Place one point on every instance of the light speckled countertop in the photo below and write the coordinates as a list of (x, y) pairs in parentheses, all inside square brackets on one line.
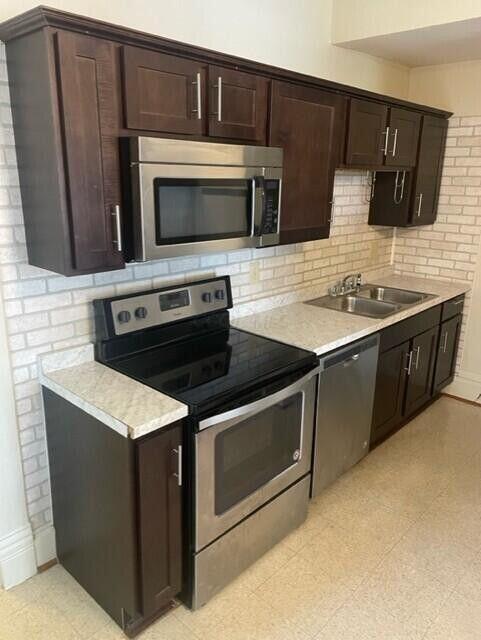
[(133, 409), (127, 406), (322, 330)]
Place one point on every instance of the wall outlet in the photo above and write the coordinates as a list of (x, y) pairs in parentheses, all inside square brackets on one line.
[(374, 252), (254, 272)]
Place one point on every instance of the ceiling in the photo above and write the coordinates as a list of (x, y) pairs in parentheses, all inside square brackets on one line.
[(438, 44)]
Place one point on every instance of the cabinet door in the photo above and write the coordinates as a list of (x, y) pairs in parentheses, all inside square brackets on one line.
[(309, 125), (420, 379), (390, 389), (89, 111), (160, 518), (163, 93), (403, 140), (428, 170), (237, 105), (391, 201), (447, 352), (366, 133)]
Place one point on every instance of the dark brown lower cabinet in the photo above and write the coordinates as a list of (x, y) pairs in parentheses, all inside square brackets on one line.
[(417, 358), (117, 509), (420, 376), (390, 390), (447, 351)]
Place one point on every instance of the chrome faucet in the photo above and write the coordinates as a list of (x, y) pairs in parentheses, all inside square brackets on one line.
[(352, 282)]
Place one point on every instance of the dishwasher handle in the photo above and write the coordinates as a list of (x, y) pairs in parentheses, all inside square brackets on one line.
[(350, 354)]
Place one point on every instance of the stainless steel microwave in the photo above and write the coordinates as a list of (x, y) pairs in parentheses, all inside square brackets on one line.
[(192, 197)]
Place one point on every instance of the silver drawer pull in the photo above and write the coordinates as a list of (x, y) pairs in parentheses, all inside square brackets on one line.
[(198, 84), (418, 351), (410, 361), (445, 343), (386, 141), (118, 231), (218, 86), (420, 203), (178, 475), (394, 145), (458, 302)]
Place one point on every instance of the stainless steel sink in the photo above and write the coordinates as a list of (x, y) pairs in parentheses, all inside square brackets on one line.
[(357, 305), (372, 301), (390, 294)]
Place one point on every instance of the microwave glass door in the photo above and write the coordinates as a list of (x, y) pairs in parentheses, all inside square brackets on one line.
[(251, 453), (194, 210)]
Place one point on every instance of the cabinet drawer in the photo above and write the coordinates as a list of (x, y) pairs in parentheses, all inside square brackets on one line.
[(452, 307), (406, 329)]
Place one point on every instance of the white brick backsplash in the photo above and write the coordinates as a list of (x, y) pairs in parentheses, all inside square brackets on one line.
[(449, 248)]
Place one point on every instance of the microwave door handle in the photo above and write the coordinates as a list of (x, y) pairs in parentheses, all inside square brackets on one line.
[(258, 204)]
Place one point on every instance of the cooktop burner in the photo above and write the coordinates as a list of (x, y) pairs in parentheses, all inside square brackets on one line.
[(198, 359)]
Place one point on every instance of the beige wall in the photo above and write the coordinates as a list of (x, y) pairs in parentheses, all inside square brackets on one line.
[(455, 86), (355, 19), (294, 35)]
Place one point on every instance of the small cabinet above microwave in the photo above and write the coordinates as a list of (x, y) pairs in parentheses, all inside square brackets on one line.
[(170, 94), (190, 197)]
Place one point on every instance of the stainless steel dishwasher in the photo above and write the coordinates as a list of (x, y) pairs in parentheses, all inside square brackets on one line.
[(344, 410)]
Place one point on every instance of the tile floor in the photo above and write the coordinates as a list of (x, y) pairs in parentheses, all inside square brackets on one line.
[(392, 551)]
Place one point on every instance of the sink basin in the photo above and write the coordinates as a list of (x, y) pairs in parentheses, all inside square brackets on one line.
[(357, 305), (389, 294)]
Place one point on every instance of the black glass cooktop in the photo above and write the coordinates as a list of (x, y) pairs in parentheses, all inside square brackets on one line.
[(212, 367)]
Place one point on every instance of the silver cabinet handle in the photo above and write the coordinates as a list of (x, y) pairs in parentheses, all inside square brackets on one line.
[(418, 351), (178, 475), (198, 84), (118, 231), (410, 361), (445, 343), (331, 204), (394, 144), (458, 302), (419, 204), (386, 141), (397, 199), (219, 98)]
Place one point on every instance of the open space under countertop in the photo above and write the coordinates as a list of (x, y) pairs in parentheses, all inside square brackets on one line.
[(322, 330)]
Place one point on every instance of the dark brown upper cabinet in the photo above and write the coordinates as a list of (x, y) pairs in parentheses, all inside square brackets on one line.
[(163, 93), (77, 85), (169, 94), (65, 113), (402, 138), (366, 133), (89, 123), (237, 105), (380, 136), (309, 125), (427, 176), (407, 198)]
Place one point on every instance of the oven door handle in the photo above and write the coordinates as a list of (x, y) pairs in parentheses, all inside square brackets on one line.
[(259, 405)]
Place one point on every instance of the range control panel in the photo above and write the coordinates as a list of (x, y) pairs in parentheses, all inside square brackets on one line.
[(162, 306)]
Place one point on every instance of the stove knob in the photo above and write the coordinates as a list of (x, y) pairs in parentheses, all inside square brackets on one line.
[(207, 297), (219, 294), (123, 316), (141, 313)]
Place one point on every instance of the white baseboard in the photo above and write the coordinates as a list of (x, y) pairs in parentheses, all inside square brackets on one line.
[(45, 548), (465, 385), (17, 557)]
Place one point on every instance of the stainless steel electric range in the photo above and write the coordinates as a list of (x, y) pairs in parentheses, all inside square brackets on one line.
[(248, 437)]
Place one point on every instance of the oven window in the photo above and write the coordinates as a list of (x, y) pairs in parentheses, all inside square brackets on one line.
[(190, 210), (256, 450)]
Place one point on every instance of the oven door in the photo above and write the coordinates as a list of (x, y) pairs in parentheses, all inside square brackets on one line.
[(189, 209), (247, 456)]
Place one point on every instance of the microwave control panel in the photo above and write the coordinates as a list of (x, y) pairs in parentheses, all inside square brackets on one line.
[(270, 220)]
